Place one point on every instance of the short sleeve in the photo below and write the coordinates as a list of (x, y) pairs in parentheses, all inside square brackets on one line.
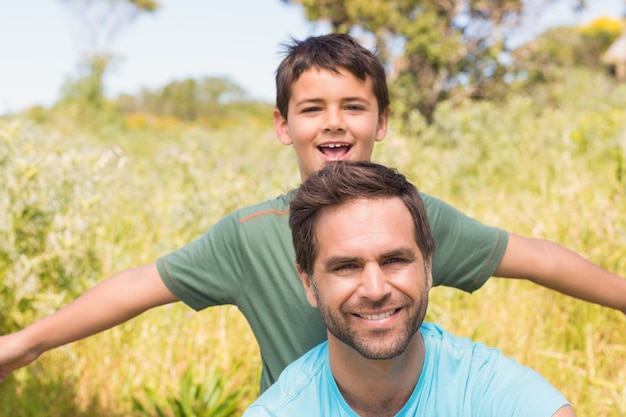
[(207, 271), (467, 251)]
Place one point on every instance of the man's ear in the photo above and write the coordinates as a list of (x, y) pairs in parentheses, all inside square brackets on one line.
[(306, 283), (429, 271), (281, 127)]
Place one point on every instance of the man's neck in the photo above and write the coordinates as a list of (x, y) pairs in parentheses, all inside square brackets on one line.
[(376, 387)]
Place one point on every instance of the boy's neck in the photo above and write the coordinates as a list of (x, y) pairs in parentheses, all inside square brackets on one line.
[(376, 387)]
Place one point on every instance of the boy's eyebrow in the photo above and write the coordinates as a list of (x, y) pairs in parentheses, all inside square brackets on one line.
[(309, 100), (316, 100)]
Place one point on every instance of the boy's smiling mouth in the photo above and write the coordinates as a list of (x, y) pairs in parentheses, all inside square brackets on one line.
[(335, 151)]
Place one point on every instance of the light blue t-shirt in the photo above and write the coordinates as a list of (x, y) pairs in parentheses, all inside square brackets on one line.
[(460, 378)]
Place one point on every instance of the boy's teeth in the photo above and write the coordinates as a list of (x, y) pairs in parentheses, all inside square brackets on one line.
[(335, 151)]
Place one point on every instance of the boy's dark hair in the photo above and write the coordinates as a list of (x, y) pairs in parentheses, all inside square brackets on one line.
[(341, 182), (330, 52)]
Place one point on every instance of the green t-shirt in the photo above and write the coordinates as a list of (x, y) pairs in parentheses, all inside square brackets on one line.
[(247, 259)]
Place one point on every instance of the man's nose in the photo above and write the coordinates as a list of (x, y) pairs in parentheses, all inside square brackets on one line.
[(373, 285)]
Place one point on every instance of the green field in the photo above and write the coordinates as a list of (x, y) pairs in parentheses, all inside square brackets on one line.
[(79, 204)]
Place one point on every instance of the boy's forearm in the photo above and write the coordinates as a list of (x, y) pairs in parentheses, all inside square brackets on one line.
[(111, 302), (582, 279), (556, 267)]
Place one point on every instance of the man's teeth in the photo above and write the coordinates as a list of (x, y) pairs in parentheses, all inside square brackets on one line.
[(377, 316)]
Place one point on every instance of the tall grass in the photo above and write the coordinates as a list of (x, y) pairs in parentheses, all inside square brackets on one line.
[(548, 164)]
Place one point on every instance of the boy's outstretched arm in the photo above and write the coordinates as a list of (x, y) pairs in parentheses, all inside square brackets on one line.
[(113, 301), (556, 267)]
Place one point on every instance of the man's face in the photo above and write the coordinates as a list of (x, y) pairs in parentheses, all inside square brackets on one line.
[(370, 280), (331, 117)]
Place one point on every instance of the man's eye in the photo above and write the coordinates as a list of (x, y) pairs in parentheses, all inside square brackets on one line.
[(345, 268), (354, 108), (310, 109)]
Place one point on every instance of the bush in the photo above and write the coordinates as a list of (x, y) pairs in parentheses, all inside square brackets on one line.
[(49, 250), (194, 399)]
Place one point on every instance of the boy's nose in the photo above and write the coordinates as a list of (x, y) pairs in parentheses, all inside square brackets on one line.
[(334, 120)]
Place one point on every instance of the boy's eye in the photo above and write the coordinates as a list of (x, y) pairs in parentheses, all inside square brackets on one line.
[(310, 109), (354, 107)]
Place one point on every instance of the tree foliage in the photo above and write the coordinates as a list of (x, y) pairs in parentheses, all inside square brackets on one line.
[(211, 100), (434, 49), (84, 94), (101, 21), (542, 59)]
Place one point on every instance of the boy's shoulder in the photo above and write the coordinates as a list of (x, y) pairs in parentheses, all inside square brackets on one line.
[(275, 207)]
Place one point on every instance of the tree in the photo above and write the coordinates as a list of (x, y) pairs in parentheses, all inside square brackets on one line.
[(211, 101), (543, 58), (188, 100), (101, 21), (434, 49), (86, 92)]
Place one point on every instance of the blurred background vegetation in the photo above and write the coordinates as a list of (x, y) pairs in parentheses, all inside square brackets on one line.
[(529, 136)]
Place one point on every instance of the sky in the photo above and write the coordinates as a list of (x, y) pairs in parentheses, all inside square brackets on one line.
[(41, 43)]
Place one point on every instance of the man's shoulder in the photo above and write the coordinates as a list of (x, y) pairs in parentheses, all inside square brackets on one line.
[(297, 388), (464, 377), (445, 341), (450, 357)]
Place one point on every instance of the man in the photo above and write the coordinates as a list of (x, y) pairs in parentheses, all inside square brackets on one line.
[(363, 251)]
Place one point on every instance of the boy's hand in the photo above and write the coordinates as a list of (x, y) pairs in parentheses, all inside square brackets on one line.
[(14, 354), (130, 292)]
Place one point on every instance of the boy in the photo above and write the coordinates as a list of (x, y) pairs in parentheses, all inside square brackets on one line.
[(368, 273), (332, 104)]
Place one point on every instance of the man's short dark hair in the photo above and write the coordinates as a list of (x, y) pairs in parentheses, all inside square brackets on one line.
[(341, 182)]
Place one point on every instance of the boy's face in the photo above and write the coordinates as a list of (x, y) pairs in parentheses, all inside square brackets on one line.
[(371, 281), (331, 117)]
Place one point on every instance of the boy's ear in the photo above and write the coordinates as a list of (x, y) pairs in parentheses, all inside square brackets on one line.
[(383, 122), (282, 128), (306, 282)]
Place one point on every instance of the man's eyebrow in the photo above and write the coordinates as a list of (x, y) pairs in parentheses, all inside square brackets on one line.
[(334, 261), (402, 252)]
